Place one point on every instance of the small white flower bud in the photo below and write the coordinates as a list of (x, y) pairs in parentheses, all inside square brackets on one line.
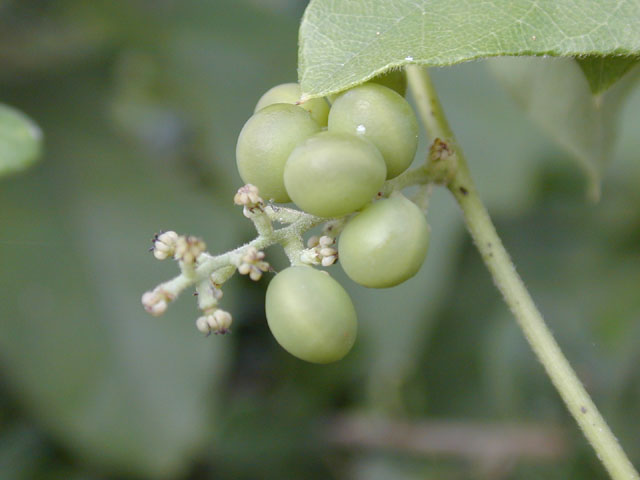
[(328, 261), (255, 274), (263, 266), (188, 248), (154, 303), (310, 257), (320, 251), (203, 325), (164, 244), (326, 241), (219, 321), (252, 264), (248, 196), (160, 255), (313, 241), (327, 252)]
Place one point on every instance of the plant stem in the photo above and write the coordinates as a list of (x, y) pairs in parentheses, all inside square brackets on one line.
[(513, 290)]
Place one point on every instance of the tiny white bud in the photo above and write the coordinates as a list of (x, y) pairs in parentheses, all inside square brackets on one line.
[(219, 321), (251, 254), (149, 298), (328, 261), (203, 326), (159, 308), (248, 196), (264, 266), (326, 241), (164, 244), (327, 252), (313, 241), (160, 254), (252, 264), (310, 257), (168, 238), (255, 274), (154, 303), (189, 248)]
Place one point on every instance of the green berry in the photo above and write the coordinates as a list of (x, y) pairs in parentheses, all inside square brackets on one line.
[(385, 244), (383, 117), (264, 144), (291, 93), (332, 174), (310, 315)]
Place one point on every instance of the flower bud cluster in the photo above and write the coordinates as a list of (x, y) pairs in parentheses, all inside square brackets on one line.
[(188, 248), (321, 251), (164, 244), (181, 247), (217, 321), (252, 263), (248, 197), (156, 301)]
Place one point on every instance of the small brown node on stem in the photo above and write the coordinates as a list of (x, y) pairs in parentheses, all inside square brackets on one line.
[(439, 150), (463, 191), (442, 162)]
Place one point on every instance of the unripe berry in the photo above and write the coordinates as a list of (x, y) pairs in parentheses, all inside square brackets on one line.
[(264, 144), (383, 117), (310, 315), (385, 244), (332, 174), (291, 93)]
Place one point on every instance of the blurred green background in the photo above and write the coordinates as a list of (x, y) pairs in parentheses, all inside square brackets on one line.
[(141, 103)]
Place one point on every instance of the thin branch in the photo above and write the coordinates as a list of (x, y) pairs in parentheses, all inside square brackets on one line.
[(515, 293), (483, 442)]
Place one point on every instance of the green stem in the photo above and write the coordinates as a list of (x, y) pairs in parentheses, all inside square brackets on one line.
[(513, 290)]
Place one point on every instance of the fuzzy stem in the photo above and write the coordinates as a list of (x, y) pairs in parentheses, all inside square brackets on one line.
[(513, 290)]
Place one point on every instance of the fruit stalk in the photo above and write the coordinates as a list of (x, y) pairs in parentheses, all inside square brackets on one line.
[(513, 290)]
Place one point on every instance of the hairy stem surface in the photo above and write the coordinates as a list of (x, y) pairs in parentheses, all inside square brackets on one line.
[(513, 290)]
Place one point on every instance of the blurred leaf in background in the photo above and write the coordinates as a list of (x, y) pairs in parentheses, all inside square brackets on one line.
[(20, 141), (559, 97), (141, 104), (115, 387)]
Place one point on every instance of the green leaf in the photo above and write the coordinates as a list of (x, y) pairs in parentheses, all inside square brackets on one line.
[(557, 97), (602, 72), (20, 140), (345, 43)]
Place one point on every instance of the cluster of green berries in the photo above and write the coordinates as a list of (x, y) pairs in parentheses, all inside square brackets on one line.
[(331, 158)]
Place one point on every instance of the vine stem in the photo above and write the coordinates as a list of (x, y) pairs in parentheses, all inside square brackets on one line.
[(513, 290)]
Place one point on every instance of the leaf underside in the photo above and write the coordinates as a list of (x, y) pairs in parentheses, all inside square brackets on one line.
[(602, 72), (343, 44), (556, 96)]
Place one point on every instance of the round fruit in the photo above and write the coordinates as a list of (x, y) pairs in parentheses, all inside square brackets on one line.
[(394, 79), (382, 116), (332, 174), (385, 244), (311, 315), (291, 93), (264, 144)]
